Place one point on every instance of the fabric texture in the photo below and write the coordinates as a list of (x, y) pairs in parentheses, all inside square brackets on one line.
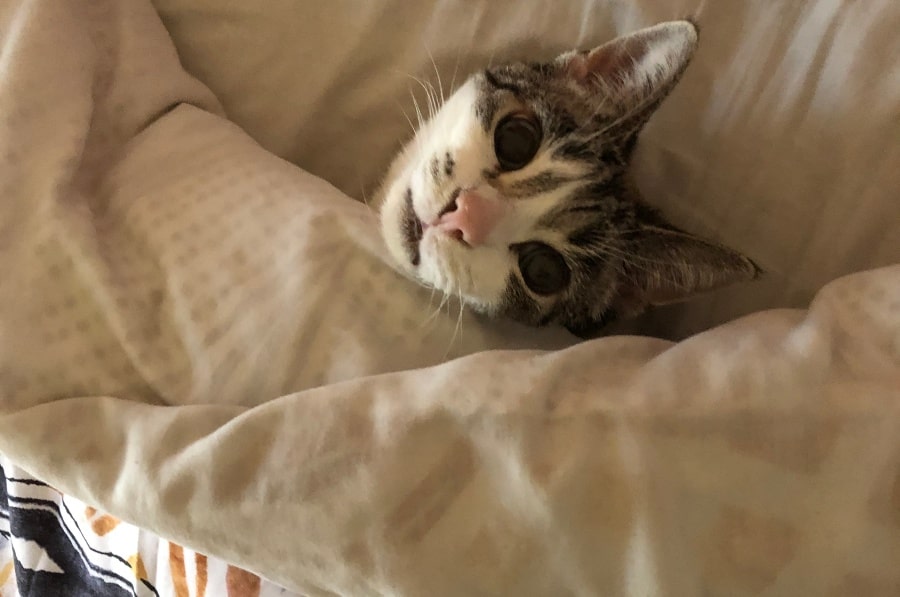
[(203, 340)]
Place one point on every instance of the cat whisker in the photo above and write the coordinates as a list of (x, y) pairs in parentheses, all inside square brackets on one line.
[(604, 95), (445, 302), (607, 91), (641, 105), (436, 96), (430, 303), (432, 99), (604, 101), (439, 309), (429, 93), (634, 261), (419, 116), (472, 283), (621, 255), (408, 119), (365, 198), (430, 317), (620, 259), (455, 69), (437, 74), (416, 139), (459, 321), (458, 328)]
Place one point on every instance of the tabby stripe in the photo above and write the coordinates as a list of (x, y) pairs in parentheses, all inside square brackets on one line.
[(575, 150), (542, 182), (449, 164), (514, 89), (435, 168)]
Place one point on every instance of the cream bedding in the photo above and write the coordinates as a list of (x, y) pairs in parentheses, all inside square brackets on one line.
[(204, 340)]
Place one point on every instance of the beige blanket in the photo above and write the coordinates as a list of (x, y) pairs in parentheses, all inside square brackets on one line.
[(204, 340)]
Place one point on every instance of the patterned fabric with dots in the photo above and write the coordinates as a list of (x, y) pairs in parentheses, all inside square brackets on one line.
[(205, 341), (160, 249)]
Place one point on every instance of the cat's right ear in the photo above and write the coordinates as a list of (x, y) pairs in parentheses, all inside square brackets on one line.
[(635, 71)]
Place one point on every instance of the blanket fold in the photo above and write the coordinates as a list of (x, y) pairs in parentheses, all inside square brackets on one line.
[(202, 340)]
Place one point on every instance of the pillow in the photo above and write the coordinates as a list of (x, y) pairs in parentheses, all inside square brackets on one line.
[(781, 139)]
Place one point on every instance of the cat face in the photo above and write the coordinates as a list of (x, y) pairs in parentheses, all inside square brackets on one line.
[(514, 195)]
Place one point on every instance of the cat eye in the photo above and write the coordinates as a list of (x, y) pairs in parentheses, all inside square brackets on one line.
[(543, 269), (516, 141)]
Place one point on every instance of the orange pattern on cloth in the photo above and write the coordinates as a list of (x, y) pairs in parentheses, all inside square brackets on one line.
[(137, 564), (176, 566), (5, 573), (102, 524), (200, 561), (241, 583)]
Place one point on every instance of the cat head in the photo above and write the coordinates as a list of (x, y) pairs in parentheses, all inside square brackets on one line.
[(514, 195)]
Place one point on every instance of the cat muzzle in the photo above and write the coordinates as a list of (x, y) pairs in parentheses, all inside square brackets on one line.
[(471, 218)]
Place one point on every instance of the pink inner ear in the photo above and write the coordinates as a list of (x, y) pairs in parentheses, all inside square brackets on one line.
[(621, 57), (577, 67), (633, 67), (610, 60)]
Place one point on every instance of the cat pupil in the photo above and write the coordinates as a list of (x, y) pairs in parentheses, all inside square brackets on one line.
[(543, 269), (516, 141)]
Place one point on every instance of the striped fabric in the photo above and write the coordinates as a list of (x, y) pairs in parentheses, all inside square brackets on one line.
[(52, 545)]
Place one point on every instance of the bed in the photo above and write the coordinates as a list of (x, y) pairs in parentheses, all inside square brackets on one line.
[(213, 382)]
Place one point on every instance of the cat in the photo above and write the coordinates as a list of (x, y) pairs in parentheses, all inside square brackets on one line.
[(515, 195)]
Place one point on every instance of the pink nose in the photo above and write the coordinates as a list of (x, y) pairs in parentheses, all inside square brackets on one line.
[(472, 217)]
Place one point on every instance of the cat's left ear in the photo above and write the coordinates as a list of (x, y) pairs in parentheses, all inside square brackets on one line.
[(635, 71), (668, 265)]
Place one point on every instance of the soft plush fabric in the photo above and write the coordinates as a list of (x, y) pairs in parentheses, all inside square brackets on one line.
[(781, 140), (201, 339)]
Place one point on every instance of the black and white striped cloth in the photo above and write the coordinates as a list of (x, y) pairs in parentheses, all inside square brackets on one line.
[(50, 548)]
